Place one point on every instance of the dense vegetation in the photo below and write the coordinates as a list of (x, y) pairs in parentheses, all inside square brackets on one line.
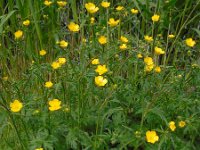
[(99, 75)]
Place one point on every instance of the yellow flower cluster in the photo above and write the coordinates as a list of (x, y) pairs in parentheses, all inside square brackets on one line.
[(58, 63), (149, 64)]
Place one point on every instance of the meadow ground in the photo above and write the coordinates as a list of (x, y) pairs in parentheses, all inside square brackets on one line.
[(95, 75)]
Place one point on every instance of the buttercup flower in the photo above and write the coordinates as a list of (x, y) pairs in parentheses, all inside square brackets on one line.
[(91, 8), (148, 60), (155, 18), (148, 38), (39, 149), (92, 20), (62, 60), (73, 27), (55, 65), (123, 47), (149, 64), (112, 22), (158, 51), (42, 52), (139, 56), (181, 124), (119, 8), (18, 34), (61, 3), (190, 42), (63, 44), (124, 39), (102, 40), (152, 137), (47, 3), (172, 125), (171, 36), (95, 61), (105, 4), (148, 68), (157, 69), (48, 84), (134, 11), (26, 22), (54, 105), (100, 81), (101, 69), (16, 106)]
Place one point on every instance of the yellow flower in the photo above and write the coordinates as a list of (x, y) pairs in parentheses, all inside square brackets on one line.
[(148, 38), (112, 22), (158, 51), (134, 11), (101, 69), (155, 18), (102, 40), (62, 60), (55, 65), (95, 61), (73, 27), (139, 56), (100, 81), (182, 124), (148, 68), (39, 149), (172, 125), (54, 105), (157, 69), (152, 137), (123, 47), (26, 22), (171, 36), (47, 3), (91, 8), (105, 4), (48, 84), (61, 3), (190, 42), (119, 8), (16, 106), (148, 60), (42, 52), (18, 34), (92, 20), (63, 44), (124, 39)]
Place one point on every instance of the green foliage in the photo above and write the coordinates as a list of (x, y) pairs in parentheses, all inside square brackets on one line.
[(132, 102)]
